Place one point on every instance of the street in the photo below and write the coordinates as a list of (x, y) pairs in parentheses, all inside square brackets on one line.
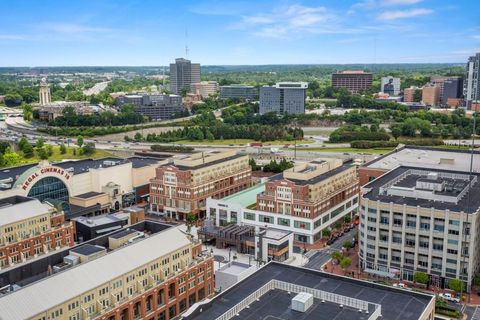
[(320, 257)]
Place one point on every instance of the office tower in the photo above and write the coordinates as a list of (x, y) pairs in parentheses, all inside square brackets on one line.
[(284, 97), (431, 95), (471, 90), (239, 91), (183, 73), (454, 87), (205, 88), (352, 80), (390, 85)]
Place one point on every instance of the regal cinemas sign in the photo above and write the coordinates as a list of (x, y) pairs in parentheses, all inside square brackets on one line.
[(47, 171)]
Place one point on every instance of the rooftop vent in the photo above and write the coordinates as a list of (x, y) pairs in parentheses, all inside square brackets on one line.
[(302, 302)]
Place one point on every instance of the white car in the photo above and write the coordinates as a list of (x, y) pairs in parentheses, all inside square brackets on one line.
[(400, 285), (449, 297)]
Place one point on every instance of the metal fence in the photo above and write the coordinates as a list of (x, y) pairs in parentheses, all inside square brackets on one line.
[(323, 296)]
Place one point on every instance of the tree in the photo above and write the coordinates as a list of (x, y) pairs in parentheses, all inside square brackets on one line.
[(455, 285), (23, 141), (347, 219), (40, 143), (326, 232), (27, 112), (42, 153), (190, 221), (420, 277), (89, 148), (253, 164), (347, 244), (345, 263), (337, 255), (138, 136), (27, 150), (80, 141), (63, 149), (49, 150), (11, 158), (396, 132)]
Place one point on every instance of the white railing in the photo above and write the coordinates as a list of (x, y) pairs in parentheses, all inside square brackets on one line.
[(323, 296)]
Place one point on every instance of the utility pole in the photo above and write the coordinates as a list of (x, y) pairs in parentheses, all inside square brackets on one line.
[(470, 178)]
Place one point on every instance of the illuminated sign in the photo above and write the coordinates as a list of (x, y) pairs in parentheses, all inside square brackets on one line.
[(45, 171)]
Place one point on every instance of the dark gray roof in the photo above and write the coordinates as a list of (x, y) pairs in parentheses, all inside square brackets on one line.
[(206, 164), (14, 200), (87, 249), (317, 179), (87, 195), (396, 303), (80, 166), (462, 205), (123, 233)]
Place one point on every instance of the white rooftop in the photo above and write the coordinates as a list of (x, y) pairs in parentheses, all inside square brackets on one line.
[(22, 211), (61, 287), (428, 158), (101, 220)]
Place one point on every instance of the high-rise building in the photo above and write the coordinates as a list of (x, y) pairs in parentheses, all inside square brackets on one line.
[(421, 218), (29, 228), (284, 97), (431, 95), (44, 93), (454, 86), (471, 89), (183, 73), (205, 88), (154, 106), (409, 94), (354, 81), (390, 85), (130, 275), (185, 185), (239, 91)]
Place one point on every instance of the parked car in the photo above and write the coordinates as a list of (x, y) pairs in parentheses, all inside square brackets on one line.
[(449, 297), (400, 285)]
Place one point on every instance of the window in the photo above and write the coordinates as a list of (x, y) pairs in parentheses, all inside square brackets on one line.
[(284, 222), (301, 225), (454, 242), (265, 219), (249, 215), (454, 222)]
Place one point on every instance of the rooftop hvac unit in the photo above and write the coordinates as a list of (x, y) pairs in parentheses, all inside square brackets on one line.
[(109, 163), (302, 302), (71, 260)]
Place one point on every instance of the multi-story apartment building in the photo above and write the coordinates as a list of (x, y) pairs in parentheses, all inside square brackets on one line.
[(157, 277), (431, 95), (421, 219), (354, 81), (409, 94), (454, 86), (183, 73), (185, 185), (284, 97), (471, 89), (305, 200), (239, 91), (29, 228), (154, 106), (204, 88)]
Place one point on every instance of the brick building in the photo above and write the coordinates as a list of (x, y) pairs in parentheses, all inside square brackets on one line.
[(29, 228), (185, 185), (155, 277), (354, 81)]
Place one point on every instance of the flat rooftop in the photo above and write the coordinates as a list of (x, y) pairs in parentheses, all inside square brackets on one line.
[(372, 191), (52, 291), (17, 208), (247, 196), (96, 221), (235, 268), (425, 157), (276, 303), (123, 233), (88, 249), (88, 195), (207, 163), (347, 165)]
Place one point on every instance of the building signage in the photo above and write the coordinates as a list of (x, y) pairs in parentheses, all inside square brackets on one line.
[(44, 171)]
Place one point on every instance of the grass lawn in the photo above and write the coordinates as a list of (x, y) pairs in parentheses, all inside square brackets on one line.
[(57, 156), (345, 150), (242, 142)]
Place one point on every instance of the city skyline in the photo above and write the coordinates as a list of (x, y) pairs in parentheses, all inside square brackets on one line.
[(130, 33)]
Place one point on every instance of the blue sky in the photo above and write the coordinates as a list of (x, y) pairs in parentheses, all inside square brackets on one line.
[(154, 32)]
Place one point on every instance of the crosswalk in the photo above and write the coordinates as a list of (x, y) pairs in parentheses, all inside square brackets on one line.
[(476, 314)]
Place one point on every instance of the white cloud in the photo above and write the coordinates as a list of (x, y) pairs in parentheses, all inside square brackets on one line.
[(374, 4), (403, 14), (12, 37), (476, 37), (293, 20)]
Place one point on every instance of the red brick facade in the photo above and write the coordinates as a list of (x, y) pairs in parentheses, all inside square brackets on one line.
[(185, 197), (61, 234), (170, 298), (366, 174)]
